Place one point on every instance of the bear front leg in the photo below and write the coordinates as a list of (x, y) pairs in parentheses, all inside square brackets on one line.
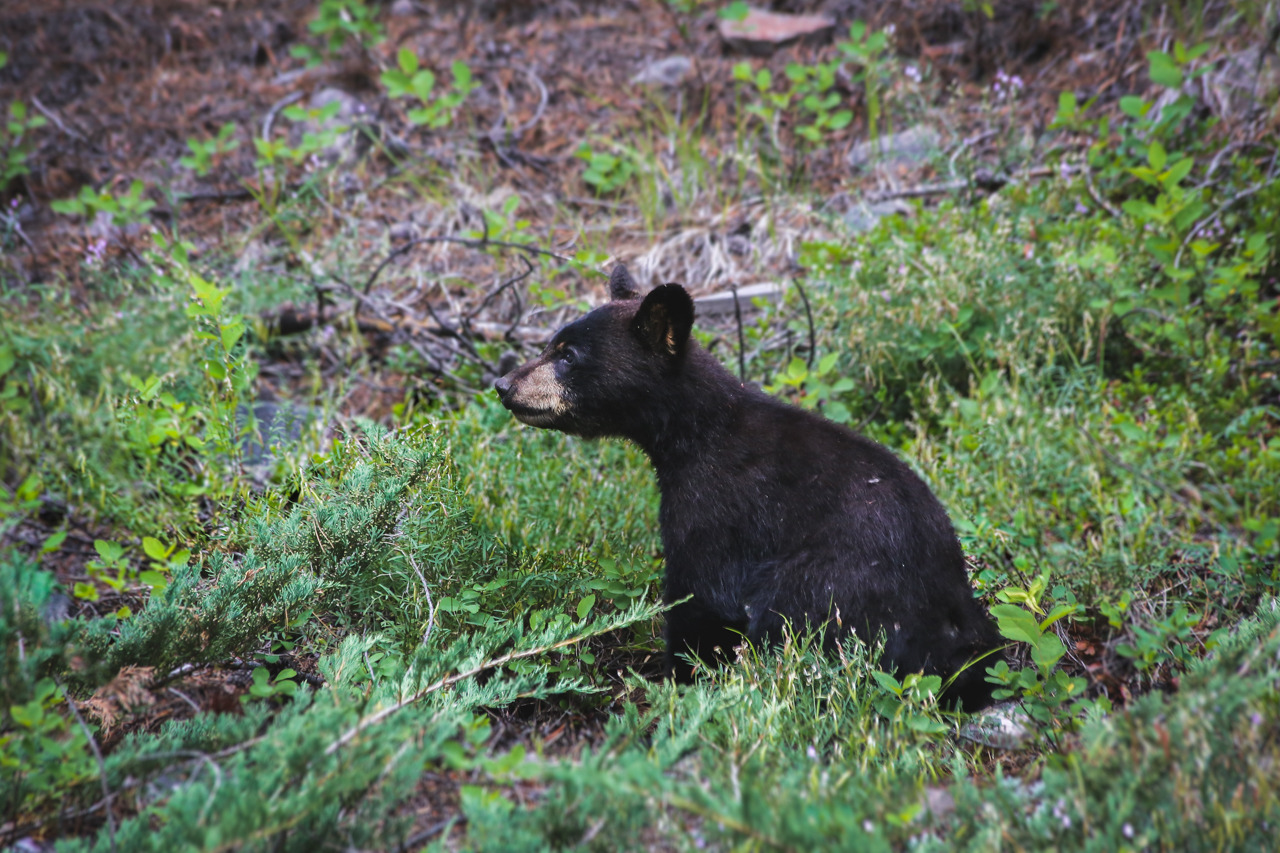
[(695, 631)]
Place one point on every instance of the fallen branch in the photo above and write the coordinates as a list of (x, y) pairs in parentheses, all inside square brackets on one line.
[(373, 719), (290, 319), (482, 243)]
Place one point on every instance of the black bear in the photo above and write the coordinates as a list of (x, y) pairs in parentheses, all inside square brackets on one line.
[(769, 514)]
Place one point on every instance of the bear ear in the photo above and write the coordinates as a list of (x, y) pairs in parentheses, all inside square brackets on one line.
[(621, 284), (665, 319)]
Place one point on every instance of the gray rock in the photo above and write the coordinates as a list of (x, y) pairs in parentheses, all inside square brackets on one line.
[(406, 230), (760, 33), (910, 147), (938, 801), (862, 216), (1246, 83), (1003, 726), (272, 424), (349, 126), (669, 72)]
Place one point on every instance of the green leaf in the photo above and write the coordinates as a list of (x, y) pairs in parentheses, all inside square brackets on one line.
[(735, 11), (407, 60), (1060, 611), (585, 605), (1178, 171), (1133, 106), (156, 580), (1068, 107), (54, 542), (28, 715), (1047, 651), (108, 551), (838, 412), (68, 206), (423, 83), (1164, 70), (1016, 624), (154, 548), (888, 682), (461, 75), (1131, 431), (231, 333), (1156, 155), (1139, 209)]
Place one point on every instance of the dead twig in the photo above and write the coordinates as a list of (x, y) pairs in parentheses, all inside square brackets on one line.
[(53, 117), (1097, 196), (102, 765), (375, 718), (270, 117), (808, 315), (1240, 196), (426, 588), (493, 294), (742, 340), (482, 243), (239, 194), (434, 364)]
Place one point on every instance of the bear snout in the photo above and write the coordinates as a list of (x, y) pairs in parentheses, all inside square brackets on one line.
[(503, 386)]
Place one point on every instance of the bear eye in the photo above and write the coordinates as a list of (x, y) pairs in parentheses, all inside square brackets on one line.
[(568, 356)]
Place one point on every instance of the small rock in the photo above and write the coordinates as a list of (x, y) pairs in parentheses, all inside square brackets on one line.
[(403, 9), (669, 72), (349, 124), (760, 33), (30, 845), (271, 425), (255, 255), (721, 302), (909, 147), (938, 801), (1247, 82), (862, 216), (1001, 727), (406, 230)]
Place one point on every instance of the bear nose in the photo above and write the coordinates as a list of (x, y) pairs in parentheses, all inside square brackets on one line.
[(503, 386)]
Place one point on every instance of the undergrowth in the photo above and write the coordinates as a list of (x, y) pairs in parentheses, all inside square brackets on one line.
[(1083, 366)]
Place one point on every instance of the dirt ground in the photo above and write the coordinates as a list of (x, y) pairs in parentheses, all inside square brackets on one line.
[(123, 87)]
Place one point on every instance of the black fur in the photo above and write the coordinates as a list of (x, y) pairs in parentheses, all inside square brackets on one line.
[(769, 513)]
